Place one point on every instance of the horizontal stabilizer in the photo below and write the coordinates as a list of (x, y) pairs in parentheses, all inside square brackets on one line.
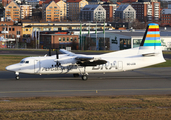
[(149, 54)]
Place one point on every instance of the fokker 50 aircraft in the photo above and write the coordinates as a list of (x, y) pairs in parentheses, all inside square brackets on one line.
[(149, 53)]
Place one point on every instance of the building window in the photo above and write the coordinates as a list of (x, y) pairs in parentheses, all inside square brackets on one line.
[(18, 32), (13, 29), (63, 38), (63, 46), (14, 7), (67, 38), (59, 39), (48, 12), (16, 12), (26, 29), (48, 15), (136, 42), (50, 7), (10, 7), (71, 38)]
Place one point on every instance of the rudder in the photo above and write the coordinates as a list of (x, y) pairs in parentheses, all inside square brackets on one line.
[(151, 42)]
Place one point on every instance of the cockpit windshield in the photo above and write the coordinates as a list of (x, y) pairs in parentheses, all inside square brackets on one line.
[(22, 61)]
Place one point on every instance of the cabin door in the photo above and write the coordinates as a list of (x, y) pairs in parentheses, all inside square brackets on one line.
[(36, 66), (120, 65)]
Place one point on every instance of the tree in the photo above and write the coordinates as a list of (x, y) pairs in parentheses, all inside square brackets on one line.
[(37, 6), (1, 6)]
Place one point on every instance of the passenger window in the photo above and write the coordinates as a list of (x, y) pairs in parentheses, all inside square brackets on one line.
[(27, 61)]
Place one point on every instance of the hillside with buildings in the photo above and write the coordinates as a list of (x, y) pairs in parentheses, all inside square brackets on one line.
[(24, 23)]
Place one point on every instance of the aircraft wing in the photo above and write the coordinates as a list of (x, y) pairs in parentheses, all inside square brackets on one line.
[(84, 60)]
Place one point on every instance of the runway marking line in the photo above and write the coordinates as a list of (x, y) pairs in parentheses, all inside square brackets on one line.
[(100, 90)]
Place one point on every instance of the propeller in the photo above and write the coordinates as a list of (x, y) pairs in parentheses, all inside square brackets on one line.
[(57, 57)]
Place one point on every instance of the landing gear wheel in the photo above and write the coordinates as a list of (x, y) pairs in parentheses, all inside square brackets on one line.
[(17, 77), (76, 75), (84, 77)]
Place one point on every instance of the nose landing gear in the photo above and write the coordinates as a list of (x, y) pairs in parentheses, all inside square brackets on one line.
[(17, 77)]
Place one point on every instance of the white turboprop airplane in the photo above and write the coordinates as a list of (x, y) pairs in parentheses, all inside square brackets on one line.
[(149, 53)]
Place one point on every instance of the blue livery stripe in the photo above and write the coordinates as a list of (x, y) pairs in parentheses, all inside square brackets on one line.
[(152, 38), (152, 44), (152, 24), (157, 32)]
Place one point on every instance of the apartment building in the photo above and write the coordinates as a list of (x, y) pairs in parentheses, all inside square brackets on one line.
[(26, 11), (166, 16), (12, 10), (93, 13), (11, 34), (125, 13), (62, 6), (74, 8), (165, 20), (63, 9), (51, 12), (147, 11), (33, 3), (110, 11)]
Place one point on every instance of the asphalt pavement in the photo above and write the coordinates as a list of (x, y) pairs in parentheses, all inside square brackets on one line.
[(146, 81)]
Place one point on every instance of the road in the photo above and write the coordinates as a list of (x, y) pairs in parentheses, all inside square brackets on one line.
[(146, 81)]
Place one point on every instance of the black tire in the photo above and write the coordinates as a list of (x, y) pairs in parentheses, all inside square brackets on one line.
[(84, 77), (17, 77), (76, 75)]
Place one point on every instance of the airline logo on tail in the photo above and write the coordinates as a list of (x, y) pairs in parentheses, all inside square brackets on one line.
[(151, 36)]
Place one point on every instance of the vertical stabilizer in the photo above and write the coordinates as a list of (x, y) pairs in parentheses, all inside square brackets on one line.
[(151, 42)]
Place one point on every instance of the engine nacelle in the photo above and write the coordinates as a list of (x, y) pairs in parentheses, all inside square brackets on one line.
[(66, 61)]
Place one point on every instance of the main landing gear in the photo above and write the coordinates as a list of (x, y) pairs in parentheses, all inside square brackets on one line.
[(17, 77), (84, 75)]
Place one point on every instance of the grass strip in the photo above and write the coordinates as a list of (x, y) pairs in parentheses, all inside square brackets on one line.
[(6, 60), (155, 107)]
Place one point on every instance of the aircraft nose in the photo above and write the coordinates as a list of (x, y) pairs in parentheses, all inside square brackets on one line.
[(8, 68)]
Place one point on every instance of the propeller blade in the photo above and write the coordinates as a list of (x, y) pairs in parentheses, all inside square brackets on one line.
[(49, 52), (57, 57), (57, 54)]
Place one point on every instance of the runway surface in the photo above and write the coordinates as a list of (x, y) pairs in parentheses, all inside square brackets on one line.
[(138, 82)]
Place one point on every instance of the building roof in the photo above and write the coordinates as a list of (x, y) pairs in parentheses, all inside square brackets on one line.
[(90, 7), (129, 1), (122, 7), (14, 3), (48, 1), (140, 33), (71, 1)]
